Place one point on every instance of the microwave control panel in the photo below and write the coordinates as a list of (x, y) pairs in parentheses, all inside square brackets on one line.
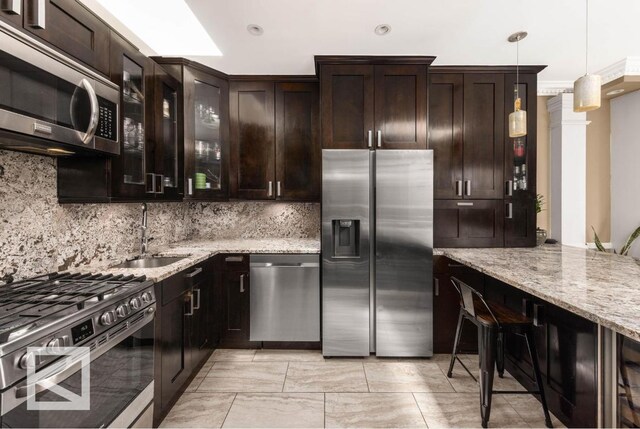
[(107, 120)]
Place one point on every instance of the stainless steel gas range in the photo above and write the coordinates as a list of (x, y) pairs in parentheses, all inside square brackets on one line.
[(52, 326)]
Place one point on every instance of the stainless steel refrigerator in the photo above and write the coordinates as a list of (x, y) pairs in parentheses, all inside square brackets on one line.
[(377, 252)]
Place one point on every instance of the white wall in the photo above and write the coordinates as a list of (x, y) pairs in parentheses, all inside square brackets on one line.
[(625, 169)]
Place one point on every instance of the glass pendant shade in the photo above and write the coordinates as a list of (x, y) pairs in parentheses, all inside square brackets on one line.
[(586, 93), (517, 121)]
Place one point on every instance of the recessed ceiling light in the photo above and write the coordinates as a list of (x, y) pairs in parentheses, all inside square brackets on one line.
[(169, 27), (616, 91), (255, 29), (382, 29)]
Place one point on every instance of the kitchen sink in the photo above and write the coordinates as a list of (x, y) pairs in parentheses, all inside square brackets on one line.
[(150, 262)]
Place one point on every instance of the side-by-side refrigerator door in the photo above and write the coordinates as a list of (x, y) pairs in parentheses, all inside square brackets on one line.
[(404, 253), (345, 252)]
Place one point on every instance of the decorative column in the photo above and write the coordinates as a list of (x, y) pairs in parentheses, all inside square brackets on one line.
[(568, 171)]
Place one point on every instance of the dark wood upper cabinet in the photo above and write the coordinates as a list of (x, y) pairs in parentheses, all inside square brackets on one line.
[(445, 133), (346, 101), (252, 140), (204, 110), (168, 148), (70, 27), (469, 223), (132, 171), (483, 135), (298, 153), (206, 144), (400, 106)]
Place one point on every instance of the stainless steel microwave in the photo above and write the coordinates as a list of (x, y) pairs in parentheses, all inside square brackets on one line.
[(51, 104)]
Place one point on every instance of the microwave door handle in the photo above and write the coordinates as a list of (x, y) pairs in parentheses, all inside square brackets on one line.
[(46, 383), (93, 123)]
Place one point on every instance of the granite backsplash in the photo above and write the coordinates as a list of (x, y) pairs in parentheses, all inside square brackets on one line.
[(38, 235)]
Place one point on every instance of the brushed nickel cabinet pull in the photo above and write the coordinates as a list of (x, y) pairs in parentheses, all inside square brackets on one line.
[(13, 7), (509, 188), (379, 138), (509, 211), (190, 186), (459, 188), (37, 15), (242, 283), (278, 189), (270, 189), (467, 188), (369, 138)]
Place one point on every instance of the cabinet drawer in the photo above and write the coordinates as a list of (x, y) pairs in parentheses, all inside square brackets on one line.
[(235, 262)]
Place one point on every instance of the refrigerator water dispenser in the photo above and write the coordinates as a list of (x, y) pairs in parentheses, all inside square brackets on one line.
[(346, 238)]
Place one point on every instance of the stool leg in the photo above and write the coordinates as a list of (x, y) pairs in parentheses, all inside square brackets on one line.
[(533, 353), (500, 356), (487, 348), (456, 343)]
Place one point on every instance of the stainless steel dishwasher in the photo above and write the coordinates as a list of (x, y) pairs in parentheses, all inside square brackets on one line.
[(285, 297)]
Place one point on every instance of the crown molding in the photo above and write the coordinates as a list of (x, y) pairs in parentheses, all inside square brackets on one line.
[(550, 88), (629, 66)]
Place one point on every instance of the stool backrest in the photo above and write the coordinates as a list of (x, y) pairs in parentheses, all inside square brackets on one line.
[(467, 301)]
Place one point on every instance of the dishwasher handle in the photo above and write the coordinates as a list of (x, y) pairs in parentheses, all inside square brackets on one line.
[(284, 264)]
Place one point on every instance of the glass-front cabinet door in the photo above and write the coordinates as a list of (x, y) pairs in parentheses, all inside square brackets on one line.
[(206, 136), (166, 173), (131, 71)]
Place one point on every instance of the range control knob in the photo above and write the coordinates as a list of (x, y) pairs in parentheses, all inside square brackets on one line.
[(56, 344), (135, 303), (147, 297), (27, 360), (123, 310), (107, 318)]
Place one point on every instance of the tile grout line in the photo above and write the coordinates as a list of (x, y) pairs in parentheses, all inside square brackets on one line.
[(324, 410), (366, 378), (284, 382), (447, 378), (229, 410), (419, 409)]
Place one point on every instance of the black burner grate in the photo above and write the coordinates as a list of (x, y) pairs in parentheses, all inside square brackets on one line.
[(22, 303)]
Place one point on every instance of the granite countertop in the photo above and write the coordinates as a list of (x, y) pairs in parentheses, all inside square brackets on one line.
[(600, 287), (200, 250)]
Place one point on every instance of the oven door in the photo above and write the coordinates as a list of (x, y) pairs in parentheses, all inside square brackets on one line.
[(121, 383)]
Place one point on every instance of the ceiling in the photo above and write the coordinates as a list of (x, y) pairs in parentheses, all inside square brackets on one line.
[(455, 31)]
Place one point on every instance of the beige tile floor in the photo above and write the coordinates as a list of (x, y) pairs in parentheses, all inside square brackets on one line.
[(301, 389)]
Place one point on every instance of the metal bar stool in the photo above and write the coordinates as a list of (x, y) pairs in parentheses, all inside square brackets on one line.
[(492, 321)]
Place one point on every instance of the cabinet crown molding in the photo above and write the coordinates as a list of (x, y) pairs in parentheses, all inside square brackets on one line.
[(321, 60)]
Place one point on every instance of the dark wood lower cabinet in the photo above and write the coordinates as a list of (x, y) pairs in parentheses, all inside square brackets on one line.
[(567, 353), (185, 332), (468, 223), (446, 306), (235, 302), (566, 343)]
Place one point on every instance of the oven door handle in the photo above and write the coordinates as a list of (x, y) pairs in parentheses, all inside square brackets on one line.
[(47, 383)]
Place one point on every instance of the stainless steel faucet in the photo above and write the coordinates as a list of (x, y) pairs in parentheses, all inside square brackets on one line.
[(144, 239)]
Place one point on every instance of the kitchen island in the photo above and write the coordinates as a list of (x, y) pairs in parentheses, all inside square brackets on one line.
[(584, 306)]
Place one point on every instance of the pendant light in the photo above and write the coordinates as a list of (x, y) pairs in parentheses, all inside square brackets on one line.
[(518, 118), (586, 90)]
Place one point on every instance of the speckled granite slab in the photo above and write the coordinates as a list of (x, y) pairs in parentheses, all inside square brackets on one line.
[(600, 287), (200, 250)]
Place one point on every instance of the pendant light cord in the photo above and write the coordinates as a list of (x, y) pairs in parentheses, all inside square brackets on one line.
[(586, 48), (517, 67)]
